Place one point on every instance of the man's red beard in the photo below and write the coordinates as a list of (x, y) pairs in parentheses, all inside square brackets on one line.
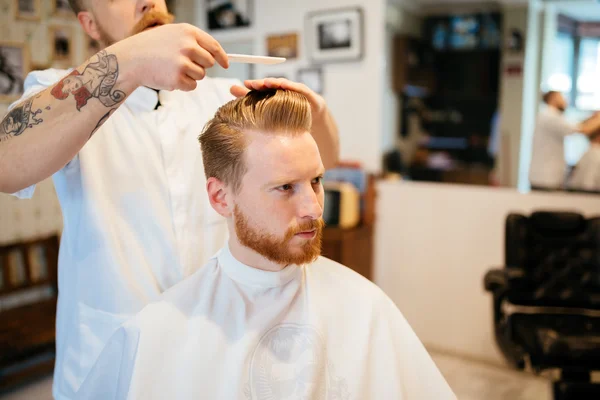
[(277, 249)]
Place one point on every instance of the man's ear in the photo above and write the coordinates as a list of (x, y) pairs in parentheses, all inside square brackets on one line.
[(218, 196), (88, 23)]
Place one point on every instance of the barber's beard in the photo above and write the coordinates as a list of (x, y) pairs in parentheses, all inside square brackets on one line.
[(278, 249), (152, 17), (105, 39)]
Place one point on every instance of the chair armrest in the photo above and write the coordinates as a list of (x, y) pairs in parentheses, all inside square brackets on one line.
[(495, 280)]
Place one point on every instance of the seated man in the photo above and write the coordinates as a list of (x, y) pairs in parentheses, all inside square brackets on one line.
[(586, 174), (267, 318)]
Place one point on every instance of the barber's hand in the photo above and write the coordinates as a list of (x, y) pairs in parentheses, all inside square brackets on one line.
[(317, 103), (172, 56), (324, 128)]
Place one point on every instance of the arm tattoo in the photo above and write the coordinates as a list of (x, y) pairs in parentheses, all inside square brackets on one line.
[(19, 119), (96, 81)]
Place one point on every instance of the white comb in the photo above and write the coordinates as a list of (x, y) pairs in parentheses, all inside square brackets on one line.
[(248, 59)]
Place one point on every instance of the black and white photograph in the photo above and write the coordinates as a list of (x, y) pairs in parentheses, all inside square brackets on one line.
[(13, 68), (312, 77), (28, 9), (61, 46), (62, 8), (335, 35), (228, 14)]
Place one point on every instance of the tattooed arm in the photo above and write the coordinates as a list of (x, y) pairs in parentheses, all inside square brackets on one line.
[(44, 132)]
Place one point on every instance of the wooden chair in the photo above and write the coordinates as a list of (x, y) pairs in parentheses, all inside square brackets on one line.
[(28, 296)]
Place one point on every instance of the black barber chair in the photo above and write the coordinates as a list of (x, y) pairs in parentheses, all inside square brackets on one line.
[(547, 299)]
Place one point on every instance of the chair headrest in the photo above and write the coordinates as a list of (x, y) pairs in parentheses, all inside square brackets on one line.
[(557, 221)]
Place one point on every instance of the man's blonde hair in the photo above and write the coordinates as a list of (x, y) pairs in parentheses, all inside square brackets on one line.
[(223, 140)]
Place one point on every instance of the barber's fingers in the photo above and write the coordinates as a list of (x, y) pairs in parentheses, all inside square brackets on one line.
[(239, 91), (301, 88), (201, 57), (194, 71), (186, 83), (282, 83), (255, 84), (211, 45)]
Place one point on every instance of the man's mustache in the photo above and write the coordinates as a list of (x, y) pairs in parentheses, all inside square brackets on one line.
[(305, 226)]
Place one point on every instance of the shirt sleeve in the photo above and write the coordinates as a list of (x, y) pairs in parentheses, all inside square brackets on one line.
[(35, 82), (111, 375), (562, 126)]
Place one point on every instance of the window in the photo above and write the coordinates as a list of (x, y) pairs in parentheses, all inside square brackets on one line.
[(588, 89), (561, 76)]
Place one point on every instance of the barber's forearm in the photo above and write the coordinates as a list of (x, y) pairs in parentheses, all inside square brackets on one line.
[(43, 133), (325, 132), (590, 125)]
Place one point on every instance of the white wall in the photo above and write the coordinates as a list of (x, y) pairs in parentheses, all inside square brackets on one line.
[(531, 91), (353, 90), (433, 245)]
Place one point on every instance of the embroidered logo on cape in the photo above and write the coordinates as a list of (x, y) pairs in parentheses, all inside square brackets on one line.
[(290, 363)]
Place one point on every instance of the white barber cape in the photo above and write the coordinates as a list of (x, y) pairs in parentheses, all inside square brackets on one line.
[(136, 216), (229, 331), (586, 175)]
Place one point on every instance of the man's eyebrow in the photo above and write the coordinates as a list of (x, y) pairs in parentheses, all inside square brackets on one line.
[(280, 181), (283, 181)]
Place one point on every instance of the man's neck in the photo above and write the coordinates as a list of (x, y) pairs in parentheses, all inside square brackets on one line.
[(251, 258)]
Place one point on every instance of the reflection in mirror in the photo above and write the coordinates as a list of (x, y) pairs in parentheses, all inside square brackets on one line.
[(447, 83), (569, 79)]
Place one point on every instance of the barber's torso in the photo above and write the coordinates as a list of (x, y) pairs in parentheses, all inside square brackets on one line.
[(136, 218), (586, 175), (548, 165)]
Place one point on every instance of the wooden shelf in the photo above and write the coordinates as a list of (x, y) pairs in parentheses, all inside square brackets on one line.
[(351, 247)]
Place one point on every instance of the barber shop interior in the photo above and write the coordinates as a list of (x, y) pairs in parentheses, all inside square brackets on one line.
[(332, 199)]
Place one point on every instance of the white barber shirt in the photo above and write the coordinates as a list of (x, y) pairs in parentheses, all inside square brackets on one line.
[(586, 175), (548, 166), (136, 216), (230, 331)]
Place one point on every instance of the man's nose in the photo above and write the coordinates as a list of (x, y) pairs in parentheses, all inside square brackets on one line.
[(310, 206)]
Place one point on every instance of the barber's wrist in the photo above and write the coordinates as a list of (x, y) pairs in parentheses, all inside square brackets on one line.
[(129, 68)]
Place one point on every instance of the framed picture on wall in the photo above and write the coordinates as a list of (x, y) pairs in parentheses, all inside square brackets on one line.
[(17, 270), (14, 66), (28, 9), (61, 46), (335, 35), (228, 14), (312, 77), (38, 262), (285, 45), (62, 8)]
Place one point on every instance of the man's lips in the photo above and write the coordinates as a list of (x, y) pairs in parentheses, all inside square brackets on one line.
[(307, 234)]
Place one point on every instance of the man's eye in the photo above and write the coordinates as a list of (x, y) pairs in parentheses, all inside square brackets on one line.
[(285, 188), (317, 181)]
